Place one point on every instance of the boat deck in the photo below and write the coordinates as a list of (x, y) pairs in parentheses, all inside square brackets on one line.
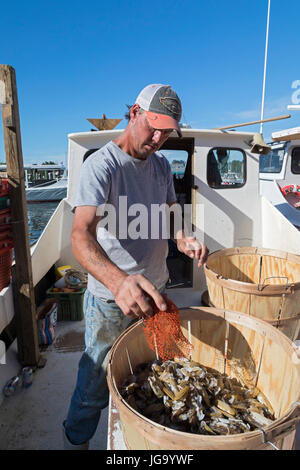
[(31, 419)]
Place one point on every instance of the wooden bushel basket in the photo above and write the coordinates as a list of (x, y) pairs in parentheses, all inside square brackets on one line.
[(257, 281), (241, 346)]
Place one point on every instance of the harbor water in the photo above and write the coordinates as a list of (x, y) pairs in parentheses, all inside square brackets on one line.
[(38, 217)]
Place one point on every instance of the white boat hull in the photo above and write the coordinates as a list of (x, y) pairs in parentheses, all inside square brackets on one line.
[(53, 193)]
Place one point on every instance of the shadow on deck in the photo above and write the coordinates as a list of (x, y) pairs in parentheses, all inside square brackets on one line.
[(31, 419)]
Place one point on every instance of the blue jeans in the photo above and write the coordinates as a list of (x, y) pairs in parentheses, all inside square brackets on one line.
[(104, 323)]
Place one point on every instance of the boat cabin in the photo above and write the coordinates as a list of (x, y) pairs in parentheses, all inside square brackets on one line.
[(279, 173)]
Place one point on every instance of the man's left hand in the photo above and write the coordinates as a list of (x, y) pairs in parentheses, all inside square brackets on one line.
[(193, 249)]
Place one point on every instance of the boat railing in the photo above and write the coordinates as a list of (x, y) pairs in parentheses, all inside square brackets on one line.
[(46, 183)]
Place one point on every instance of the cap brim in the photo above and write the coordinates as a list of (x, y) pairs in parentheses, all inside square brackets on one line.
[(162, 121)]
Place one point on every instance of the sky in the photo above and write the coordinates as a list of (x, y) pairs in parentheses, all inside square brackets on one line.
[(76, 60)]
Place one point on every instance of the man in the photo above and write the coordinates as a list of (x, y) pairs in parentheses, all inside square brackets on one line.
[(126, 276), (223, 158)]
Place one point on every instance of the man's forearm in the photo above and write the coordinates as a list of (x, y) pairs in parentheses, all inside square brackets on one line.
[(95, 261)]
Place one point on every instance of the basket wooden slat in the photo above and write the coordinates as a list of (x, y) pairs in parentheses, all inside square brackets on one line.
[(240, 345), (261, 282)]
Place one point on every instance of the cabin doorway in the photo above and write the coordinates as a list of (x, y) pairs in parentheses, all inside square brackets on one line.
[(179, 153)]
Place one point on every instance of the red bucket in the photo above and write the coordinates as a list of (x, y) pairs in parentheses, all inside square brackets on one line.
[(3, 187), (5, 220), (6, 238)]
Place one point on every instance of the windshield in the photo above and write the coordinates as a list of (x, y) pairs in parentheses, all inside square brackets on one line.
[(272, 162)]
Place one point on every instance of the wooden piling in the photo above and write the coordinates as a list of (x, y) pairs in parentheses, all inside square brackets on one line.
[(23, 291)]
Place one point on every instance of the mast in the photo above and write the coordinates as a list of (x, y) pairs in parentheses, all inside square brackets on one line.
[(265, 68)]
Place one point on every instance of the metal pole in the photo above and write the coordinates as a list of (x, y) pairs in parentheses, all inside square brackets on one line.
[(265, 68)]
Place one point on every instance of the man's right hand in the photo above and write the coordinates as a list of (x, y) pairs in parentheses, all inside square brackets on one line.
[(135, 296)]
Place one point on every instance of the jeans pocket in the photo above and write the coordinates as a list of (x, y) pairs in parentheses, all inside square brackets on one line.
[(104, 323)]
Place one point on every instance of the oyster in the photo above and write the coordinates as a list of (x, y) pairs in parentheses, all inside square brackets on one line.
[(186, 396)]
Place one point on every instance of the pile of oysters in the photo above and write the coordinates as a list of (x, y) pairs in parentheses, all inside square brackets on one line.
[(184, 395)]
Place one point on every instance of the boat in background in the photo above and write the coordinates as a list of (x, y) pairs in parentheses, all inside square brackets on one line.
[(44, 183), (48, 192), (279, 174)]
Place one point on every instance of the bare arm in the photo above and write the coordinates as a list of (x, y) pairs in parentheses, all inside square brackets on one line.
[(89, 252), (131, 292)]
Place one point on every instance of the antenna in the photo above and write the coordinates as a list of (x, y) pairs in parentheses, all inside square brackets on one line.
[(265, 68)]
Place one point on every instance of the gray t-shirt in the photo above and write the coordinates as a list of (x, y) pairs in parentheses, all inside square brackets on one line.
[(111, 176)]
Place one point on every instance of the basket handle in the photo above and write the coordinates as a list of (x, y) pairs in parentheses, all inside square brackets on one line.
[(288, 425), (264, 439), (261, 286)]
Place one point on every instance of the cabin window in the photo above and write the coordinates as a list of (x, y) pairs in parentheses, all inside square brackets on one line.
[(179, 153), (226, 168), (295, 165), (272, 162), (178, 161)]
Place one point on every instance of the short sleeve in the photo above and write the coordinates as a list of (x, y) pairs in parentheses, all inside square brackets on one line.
[(94, 182)]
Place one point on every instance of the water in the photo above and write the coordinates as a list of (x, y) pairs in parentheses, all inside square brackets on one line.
[(38, 216)]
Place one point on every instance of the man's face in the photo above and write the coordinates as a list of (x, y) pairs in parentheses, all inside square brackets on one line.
[(147, 139)]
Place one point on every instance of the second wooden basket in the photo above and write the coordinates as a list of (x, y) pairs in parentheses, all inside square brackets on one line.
[(257, 281)]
